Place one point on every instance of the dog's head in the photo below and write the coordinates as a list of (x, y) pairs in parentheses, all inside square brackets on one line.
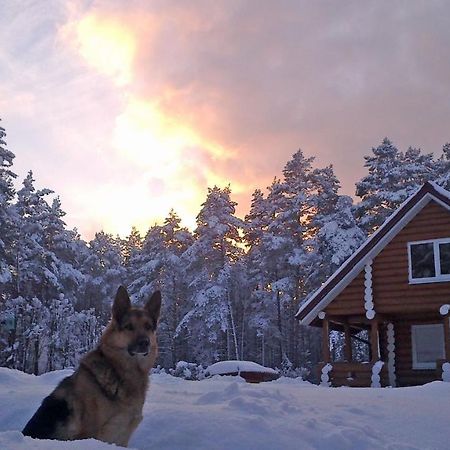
[(135, 327)]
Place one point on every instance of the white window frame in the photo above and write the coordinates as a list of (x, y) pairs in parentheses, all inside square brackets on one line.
[(425, 365), (438, 278)]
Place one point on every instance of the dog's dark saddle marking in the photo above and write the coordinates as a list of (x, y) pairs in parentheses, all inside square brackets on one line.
[(52, 412)]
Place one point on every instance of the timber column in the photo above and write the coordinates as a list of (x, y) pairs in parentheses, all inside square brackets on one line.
[(374, 340), (326, 340)]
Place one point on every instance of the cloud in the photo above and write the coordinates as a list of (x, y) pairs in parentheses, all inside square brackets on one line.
[(154, 101)]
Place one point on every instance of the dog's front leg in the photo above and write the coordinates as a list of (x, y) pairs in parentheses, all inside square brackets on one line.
[(119, 429)]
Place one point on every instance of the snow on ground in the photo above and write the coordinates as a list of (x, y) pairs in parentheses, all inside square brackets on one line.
[(227, 413)]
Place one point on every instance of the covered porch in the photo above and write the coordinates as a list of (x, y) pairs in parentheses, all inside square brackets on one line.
[(389, 355)]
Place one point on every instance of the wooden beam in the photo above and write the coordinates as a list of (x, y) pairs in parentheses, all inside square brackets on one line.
[(347, 343), (326, 340), (374, 340), (447, 337)]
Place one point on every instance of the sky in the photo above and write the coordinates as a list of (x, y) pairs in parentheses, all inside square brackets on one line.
[(127, 109)]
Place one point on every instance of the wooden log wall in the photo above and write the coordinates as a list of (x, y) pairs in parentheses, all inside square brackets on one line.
[(392, 292)]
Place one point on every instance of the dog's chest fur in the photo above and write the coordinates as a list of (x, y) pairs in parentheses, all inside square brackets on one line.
[(114, 415)]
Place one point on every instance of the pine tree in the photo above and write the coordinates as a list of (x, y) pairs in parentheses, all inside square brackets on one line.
[(210, 260), (442, 176), (377, 189), (158, 266), (103, 269), (131, 245), (393, 177), (7, 219), (35, 265)]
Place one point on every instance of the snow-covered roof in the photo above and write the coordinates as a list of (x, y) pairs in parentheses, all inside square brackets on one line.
[(370, 248)]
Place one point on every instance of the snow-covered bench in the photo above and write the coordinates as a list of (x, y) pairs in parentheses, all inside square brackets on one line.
[(250, 371)]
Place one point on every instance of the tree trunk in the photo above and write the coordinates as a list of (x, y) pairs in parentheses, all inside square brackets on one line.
[(280, 328), (233, 327), (36, 357)]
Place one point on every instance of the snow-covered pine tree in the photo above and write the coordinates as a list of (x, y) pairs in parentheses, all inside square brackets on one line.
[(379, 190), (261, 324), (333, 230), (70, 334), (7, 219), (67, 248), (177, 239), (158, 265), (211, 324), (104, 271), (268, 268), (417, 168), (442, 167), (36, 266), (147, 264), (393, 176), (131, 245)]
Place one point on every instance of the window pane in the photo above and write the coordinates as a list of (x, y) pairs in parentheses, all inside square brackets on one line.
[(444, 256), (422, 260), (429, 343)]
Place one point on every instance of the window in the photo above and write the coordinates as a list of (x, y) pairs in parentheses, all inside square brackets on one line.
[(427, 345), (429, 261), (444, 258)]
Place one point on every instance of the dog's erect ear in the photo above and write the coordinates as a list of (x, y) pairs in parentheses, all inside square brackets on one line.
[(121, 304), (153, 306)]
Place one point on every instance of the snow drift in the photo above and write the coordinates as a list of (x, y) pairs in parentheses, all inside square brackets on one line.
[(225, 412)]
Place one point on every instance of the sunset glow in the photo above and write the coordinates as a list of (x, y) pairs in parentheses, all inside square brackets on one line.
[(171, 159), (129, 109), (107, 46)]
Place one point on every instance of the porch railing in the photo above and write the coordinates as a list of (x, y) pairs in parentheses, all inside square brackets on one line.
[(354, 374)]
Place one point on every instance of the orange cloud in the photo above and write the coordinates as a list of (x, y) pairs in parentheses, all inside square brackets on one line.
[(173, 161), (108, 46)]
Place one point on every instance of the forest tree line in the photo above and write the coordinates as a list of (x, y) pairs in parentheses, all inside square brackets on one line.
[(230, 288)]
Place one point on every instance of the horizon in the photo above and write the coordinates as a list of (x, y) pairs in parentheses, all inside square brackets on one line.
[(127, 110)]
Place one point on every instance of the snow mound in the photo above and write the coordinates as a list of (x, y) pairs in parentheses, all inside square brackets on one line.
[(227, 367), (15, 440)]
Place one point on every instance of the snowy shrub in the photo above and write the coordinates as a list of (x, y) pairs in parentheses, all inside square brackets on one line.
[(188, 371), (158, 369), (288, 370)]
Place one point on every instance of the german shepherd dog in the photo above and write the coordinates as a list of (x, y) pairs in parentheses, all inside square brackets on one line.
[(104, 397)]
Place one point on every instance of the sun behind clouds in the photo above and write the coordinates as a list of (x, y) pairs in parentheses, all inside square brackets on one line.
[(173, 163), (108, 46)]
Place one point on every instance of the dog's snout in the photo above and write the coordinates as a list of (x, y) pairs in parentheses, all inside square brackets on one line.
[(143, 342), (140, 346)]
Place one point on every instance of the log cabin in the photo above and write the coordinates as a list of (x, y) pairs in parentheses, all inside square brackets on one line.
[(395, 292)]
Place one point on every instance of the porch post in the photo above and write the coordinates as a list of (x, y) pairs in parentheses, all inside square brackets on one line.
[(348, 343), (374, 346), (447, 337), (326, 340)]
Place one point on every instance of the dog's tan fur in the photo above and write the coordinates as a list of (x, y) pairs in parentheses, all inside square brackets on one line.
[(105, 396)]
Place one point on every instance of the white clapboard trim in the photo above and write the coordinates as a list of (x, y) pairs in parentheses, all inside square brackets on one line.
[(376, 379), (390, 336), (368, 292), (325, 378)]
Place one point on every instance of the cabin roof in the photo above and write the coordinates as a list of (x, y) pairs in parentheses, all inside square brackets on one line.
[(348, 271)]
